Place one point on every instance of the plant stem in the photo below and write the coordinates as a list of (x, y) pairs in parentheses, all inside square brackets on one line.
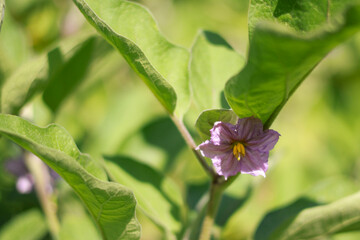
[(218, 183), (190, 142), (216, 191), (41, 177)]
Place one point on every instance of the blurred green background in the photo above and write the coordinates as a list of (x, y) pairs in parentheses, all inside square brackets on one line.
[(112, 112)]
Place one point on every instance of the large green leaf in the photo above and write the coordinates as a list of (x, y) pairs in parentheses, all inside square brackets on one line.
[(207, 118), (131, 29), (63, 66), (279, 60), (301, 220), (213, 62), (158, 197), (111, 205), (75, 223), (29, 225)]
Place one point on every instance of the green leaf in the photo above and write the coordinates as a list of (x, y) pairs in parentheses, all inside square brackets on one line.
[(279, 217), (279, 61), (111, 205), (207, 118), (131, 29), (301, 220), (158, 197), (69, 72), (213, 62), (29, 225), (14, 49), (302, 16), (74, 227), (75, 222), (234, 197), (57, 67)]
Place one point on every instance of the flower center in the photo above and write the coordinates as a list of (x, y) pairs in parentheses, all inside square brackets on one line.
[(238, 150)]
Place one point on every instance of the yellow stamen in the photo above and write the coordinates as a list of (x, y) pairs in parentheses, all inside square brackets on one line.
[(234, 150), (239, 150), (242, 151)]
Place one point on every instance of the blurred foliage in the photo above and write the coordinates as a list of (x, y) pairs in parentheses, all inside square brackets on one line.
[(111, 112)]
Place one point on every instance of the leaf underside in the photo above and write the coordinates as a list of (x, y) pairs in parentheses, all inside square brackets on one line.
[(280, 59), (111, 204), (304, 220), (131, 29), (164, 205)]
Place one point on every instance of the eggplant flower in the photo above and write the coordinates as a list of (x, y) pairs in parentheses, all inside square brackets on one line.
[(243, 147)]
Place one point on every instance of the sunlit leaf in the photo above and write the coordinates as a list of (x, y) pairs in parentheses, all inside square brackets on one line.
[(301, 220), (158, 197), (303, 16), (75, 223), (111, 205), (207, 118), (29, 225), (279, 59), (131, 29), (213, 62)]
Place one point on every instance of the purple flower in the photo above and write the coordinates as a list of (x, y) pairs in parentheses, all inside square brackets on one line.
[(243, 147), (25, 181)]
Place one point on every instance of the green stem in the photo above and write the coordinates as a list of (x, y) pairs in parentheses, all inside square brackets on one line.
[(190, 142), (218, 185), (216, 191), (41, 177)]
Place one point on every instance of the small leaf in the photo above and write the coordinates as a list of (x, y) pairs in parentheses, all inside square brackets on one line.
[(131, 29), (304, 221), (29, 225), (111, 205), (66, 74), (207, 118), (279, 61), (213, 62), (158, 197), (33, 76)]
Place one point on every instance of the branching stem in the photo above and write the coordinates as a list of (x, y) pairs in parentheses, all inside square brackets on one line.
[(218, 183), (190, 142)]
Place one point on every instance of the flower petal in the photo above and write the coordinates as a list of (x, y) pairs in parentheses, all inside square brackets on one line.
[(25, 184), (254, 163), (264, 142), (227, 165), (248, 128), (210, 150), (223, 133)]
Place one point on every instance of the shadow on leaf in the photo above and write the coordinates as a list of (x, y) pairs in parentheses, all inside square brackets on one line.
[(279, 219)]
